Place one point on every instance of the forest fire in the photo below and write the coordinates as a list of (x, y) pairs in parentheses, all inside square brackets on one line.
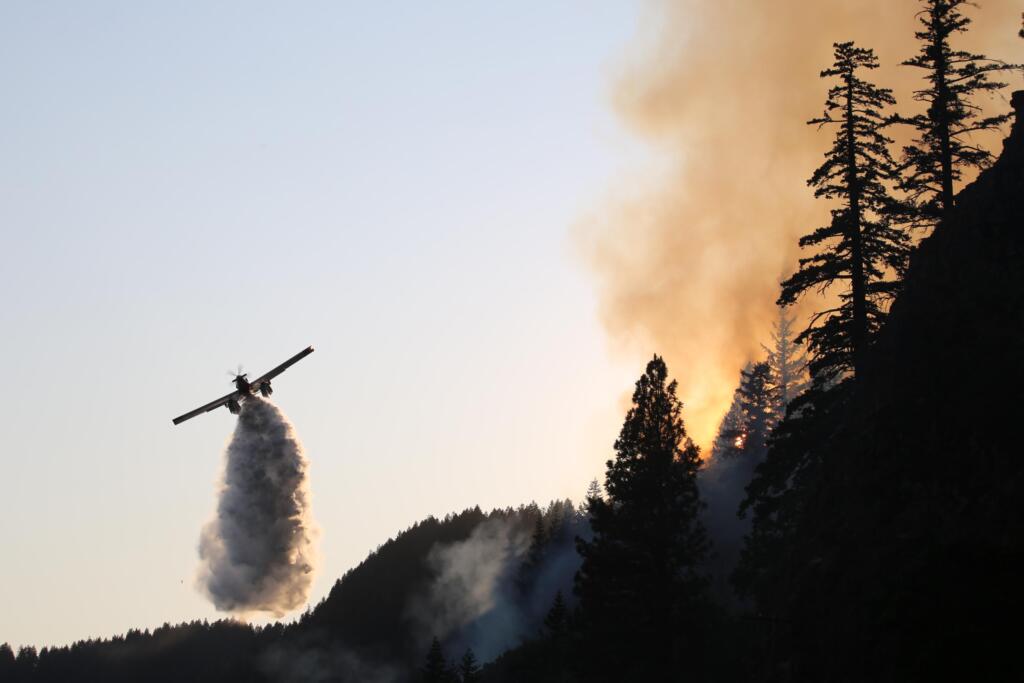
[(691, 265)]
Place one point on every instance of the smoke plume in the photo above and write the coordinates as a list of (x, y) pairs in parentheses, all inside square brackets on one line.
[(723, 485), (479, 596), (689, 264), (257, 553), (472, 579)]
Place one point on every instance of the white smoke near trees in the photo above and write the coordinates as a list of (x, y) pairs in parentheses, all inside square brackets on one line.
[(473, 580), (485, 595), (257, 554)]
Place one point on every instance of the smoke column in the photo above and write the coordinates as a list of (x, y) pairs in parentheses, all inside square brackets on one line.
[(257, 553), (688, 263), (472, 581)]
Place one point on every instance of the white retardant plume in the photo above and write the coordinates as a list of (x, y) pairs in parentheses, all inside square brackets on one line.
[(257, 554)]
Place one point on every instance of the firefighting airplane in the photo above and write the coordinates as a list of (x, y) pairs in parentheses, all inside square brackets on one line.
[(244, 389)]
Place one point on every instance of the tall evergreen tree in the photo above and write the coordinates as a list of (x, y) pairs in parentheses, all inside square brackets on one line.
[(639, 586), (745, 428), (534, 554), (25, 663), (557, 617), (469, 669), (758, 402), (593, 493), (859, 248), (435, 668), (730, 438), (945, 144), (7, 666), (788, 363)]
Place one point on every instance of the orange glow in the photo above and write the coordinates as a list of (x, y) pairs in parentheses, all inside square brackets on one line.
[(688, 264)]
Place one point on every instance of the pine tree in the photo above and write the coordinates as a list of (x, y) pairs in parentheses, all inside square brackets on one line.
[(435, 668), (788, 364), (639, 585), (469, 669), (534, 555), (859, 246), (557, 617), (745, 428), (730, 437), (557, 519), (7, 666), (25, 663), (945, 146), (757, 402), (593, 493), (754, 413)]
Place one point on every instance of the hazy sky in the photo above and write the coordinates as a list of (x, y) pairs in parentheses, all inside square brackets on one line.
[(187, 186)]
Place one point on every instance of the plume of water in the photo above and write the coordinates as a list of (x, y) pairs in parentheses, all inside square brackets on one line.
[(257, 554)]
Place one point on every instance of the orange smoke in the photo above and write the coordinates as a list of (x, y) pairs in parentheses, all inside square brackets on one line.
[(689, 265)]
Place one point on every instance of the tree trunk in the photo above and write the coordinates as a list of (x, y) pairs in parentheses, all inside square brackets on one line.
[(860, 315), (942, 117)]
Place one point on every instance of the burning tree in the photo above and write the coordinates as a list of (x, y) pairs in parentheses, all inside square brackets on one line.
[(730, 439)]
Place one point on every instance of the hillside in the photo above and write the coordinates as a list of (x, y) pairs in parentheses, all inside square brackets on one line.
[(365, 629), (911, 536)]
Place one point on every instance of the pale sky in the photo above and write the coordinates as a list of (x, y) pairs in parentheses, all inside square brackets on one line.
[(189, 186)]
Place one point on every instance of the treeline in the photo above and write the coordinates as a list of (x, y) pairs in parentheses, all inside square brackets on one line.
[(365, 629)]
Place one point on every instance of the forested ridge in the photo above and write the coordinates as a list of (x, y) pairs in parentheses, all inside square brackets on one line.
[(858, 517)]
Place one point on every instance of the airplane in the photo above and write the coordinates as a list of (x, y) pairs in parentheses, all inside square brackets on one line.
[(244, 389)]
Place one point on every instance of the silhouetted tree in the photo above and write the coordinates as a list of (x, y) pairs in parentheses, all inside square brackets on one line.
[(859, 248), (788, 364), (757, 404), (469, 669), (557, 618), (730, 437), (944, 147), (435, 668), (745, 428), (25, 663), (639, 586), (777, 495), (534, 554), (7, 666)]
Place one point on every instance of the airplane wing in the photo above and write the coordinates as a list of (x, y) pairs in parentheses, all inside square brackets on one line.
[(282, 367), (207, 408)]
